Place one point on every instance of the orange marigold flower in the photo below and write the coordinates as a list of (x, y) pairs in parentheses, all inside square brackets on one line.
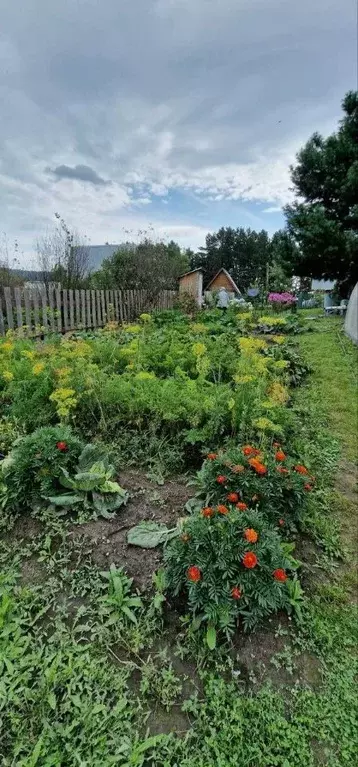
[(236, 593), (221, 479), (301, 469), (282, 470), (238, 468), (212, 456), (185, 537), (241, 506), (193, 574), (249, 560), (62, 447), (249, 450), (308, 487), (222, 509), (253, 462), (280, 455), (260, 468), (280, 575), (233, 497), (207, 511), (251, 535)]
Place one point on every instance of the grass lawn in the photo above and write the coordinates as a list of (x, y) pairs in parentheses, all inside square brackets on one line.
[(333, 383)]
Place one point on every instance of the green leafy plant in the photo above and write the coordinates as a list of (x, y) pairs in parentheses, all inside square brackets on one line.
[(161, 683), (149, 535), (120, 605), (92, 485)]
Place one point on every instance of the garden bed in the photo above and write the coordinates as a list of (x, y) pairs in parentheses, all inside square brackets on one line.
[(110, 668)]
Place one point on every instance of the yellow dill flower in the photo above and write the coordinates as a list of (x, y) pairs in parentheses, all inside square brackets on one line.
[(145, 317), (7, 375), (278, 339), (38, 368), (145, 375), (244, 316), (133, 329), (7, 347), (64, 400), (199, 349), (264, 424), (199, 327), (28, 354), (269, 320), (63, 372), (278, 393), (252, 345)]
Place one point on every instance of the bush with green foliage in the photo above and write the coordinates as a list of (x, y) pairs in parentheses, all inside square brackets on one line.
[(50, 459), (231, 565), (35, 465)]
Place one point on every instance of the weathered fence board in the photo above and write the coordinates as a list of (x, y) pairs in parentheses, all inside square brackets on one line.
[(18, 311), (2, 323), (44, 310)]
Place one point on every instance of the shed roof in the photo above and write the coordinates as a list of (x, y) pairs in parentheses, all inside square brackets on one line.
[(229, 277), (191, 272)]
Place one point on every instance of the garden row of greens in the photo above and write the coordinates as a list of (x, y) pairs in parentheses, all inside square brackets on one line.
[(219, 383)]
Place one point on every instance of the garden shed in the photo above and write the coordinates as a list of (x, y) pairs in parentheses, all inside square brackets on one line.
[(192, 283), (223, 279)]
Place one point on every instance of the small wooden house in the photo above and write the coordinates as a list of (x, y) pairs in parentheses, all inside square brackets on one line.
[(223, 280), (192, 283)]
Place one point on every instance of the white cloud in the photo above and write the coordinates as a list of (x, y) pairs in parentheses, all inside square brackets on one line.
[(272, 209), (211, 100)]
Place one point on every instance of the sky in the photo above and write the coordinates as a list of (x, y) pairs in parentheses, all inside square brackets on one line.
[(179, 115)]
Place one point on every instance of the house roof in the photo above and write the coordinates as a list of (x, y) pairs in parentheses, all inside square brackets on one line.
[(229, 277), (199, 269)]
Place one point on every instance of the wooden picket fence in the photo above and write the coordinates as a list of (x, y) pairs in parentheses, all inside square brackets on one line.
[(39, 311)]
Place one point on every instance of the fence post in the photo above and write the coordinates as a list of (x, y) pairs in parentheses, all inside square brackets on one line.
[(8, 302), (44, 309), (52, 309), (72, 314), (19, 311), (78, 309), (65, 310), (27, 312), (103, 304), (83, 309), (87, 323), (35, 301), (59, 310), (2, 324), (94, 315), (98, 302)]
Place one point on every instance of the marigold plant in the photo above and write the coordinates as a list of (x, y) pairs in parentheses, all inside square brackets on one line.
[(271, 481), (231, 568)]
